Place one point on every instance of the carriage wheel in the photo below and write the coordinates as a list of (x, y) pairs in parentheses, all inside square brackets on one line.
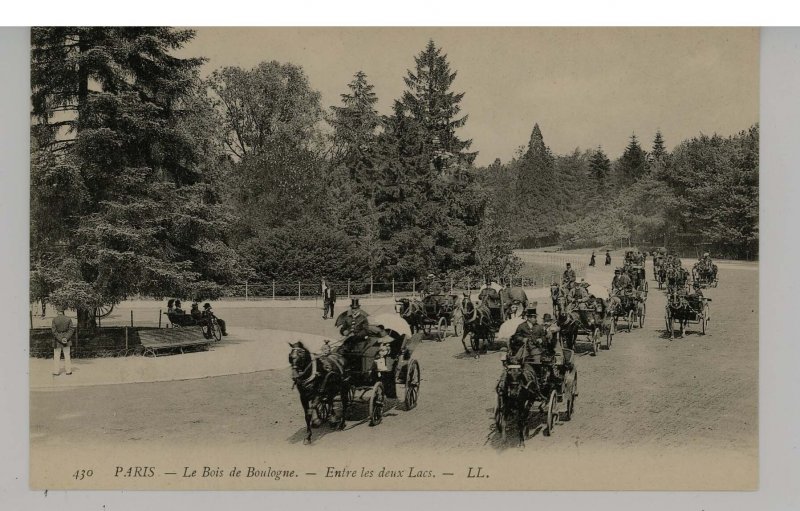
[(441, 331), (103, 311), (645, 286), (324, 410), (412, 385), (551, 414), (351, 393), (594, 338), (642, 312), (630, 321), (458, 323), (376, 404)]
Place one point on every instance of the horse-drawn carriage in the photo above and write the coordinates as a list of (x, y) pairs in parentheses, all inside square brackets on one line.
[(546, 381), (439, 311), (685, 309), (484, 320), (375, 365), (630, 307), (638, 276), (705, 274)]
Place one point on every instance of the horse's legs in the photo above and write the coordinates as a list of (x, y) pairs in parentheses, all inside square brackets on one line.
[(307, 413), (344, 394)]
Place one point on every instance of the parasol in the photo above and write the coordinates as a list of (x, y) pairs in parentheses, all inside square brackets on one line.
[(391, 322), (509, 327)]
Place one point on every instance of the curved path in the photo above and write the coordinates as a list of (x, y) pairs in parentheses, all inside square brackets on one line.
[(245, 350)]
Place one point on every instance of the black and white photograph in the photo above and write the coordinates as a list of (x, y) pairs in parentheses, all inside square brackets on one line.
[(383, 258)]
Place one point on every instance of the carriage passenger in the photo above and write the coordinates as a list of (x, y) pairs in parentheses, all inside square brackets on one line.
[(170, 306), (568, 275), (359, 327), (178, 309)]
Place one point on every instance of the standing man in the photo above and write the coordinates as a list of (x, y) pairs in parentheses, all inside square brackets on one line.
[(591, 261), (324, 298), (608, 258), (330, 300), (62, 341)]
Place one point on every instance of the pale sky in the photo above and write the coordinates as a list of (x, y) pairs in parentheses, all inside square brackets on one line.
[(584, 86)]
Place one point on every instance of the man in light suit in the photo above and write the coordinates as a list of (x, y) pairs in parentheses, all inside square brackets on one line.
[(62, 341)]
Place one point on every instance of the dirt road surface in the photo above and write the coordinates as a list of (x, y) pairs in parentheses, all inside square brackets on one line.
[(700, 391)]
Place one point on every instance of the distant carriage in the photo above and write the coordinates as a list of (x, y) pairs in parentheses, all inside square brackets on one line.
[(705, 274), (434, 311), (684, 310)]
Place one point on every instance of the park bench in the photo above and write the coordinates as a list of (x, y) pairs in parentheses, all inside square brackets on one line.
[(172, 338)]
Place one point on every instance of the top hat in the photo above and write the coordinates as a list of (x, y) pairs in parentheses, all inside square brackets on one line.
[(206, 305), (354, 303)]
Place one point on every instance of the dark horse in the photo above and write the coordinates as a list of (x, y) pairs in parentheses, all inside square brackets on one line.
[(318, 380), (478, 324), (519, 389), (413, 311), (594, 319), (557, 297)]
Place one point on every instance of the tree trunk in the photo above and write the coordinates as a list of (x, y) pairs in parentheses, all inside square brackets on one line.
[(86, 321)]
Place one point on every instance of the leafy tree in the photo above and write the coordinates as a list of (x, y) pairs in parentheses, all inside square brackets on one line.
[(267, 106), (122, 195)]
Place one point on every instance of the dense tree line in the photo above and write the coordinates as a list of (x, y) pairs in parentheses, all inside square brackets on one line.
[(702, 194), (148, 180)]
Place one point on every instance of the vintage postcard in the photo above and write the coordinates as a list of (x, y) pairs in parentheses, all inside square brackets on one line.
[(394, 258)]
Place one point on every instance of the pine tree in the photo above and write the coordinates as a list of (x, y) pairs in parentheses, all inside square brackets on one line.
[(633, 162), (599, 165), (436, 108), (658, 159), (115, 166)]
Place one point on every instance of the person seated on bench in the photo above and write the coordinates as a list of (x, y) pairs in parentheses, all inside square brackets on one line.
[(206, 315), (170, 306), (195, 313), (178, 309)]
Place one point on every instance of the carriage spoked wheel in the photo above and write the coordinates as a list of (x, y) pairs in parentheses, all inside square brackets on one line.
[(376, 404), (609, 336), (458, 323), (212, 330), (551, 414), (324, 410), (412, 385), (103, 311), (645, 286), (500, 421), (630, 320), (441, 329)]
